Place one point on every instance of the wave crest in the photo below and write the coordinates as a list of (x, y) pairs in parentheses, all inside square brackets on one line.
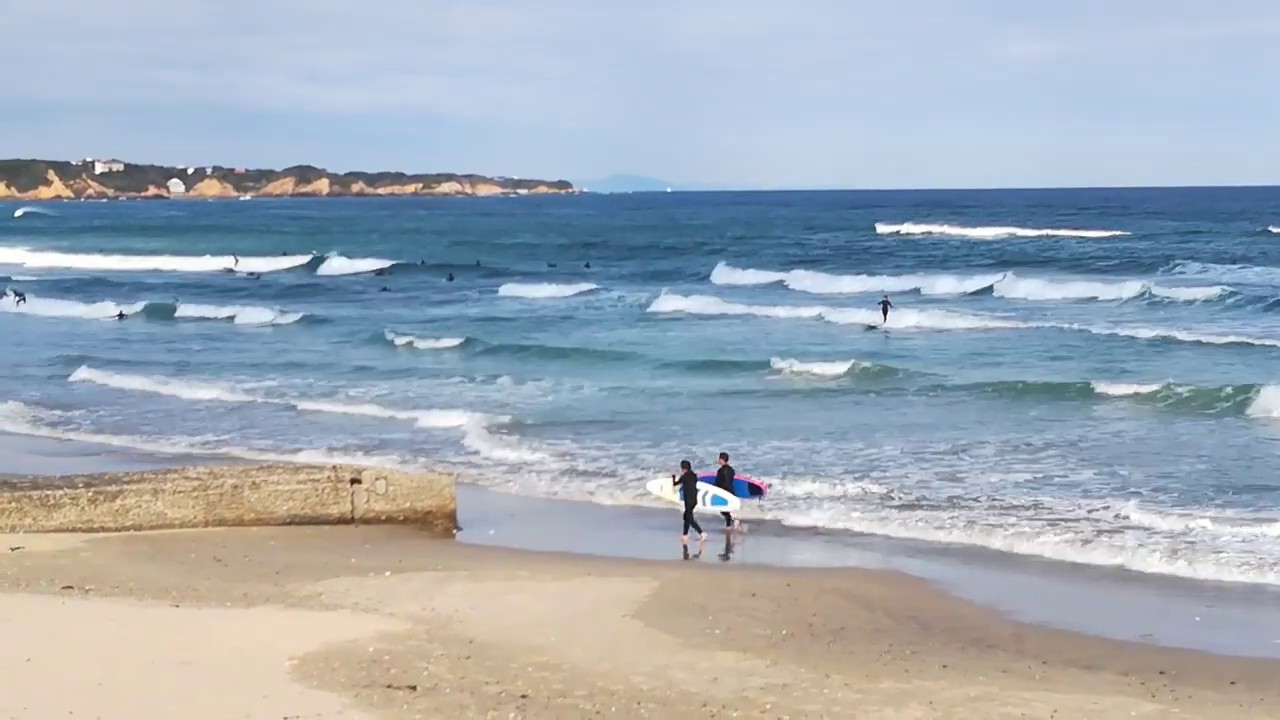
[(545, 290), (422, 343), (830, 368), (989, 232), (59, 308), (239, 314), (141, 263), (186, 389), (337, 265)]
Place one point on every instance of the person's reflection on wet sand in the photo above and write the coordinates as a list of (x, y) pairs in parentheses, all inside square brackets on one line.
[(728, 548), (684, 548)]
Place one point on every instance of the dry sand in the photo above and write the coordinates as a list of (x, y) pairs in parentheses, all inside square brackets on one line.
[(343, 622)]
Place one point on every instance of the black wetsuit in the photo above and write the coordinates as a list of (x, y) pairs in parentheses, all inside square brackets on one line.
[(688, 481), (724, 481), (884, 309), (19, 298)]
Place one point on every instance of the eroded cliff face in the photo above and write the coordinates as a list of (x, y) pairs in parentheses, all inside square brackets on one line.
[(41, 180)]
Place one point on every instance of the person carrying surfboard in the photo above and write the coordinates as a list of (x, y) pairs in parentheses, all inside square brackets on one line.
[(724, 481), (688, 483), (884, 308)]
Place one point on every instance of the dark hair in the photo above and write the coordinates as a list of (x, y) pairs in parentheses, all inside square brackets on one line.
[(686, 465), (724, 456)]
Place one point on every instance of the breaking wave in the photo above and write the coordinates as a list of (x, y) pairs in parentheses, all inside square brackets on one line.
[(545, 290), (186, 389), (164, 263), (1005, 284), (32, 210), (902, 319), (1274, 229), (983, 232), (831, 368), (335, 265), (59, 308), (239, 314), (1013, 287), (1243, 274), (422, 343), (821, 283)]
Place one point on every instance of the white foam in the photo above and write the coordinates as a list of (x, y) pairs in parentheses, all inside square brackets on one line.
[(820, 283), (902, 319), (1274, 228), (834, 368), (56, 307), (545, 290), (1150, 333), (1149, 557), (1247, 274), (22, 419), (1115, 389), (1190, 294), (423, 343), (502, 448), (339, 265), (983, 232), (1037, 289), (31, 210), (211, 392), (1266, 404), (1013, 287), (167, 263), (184, 389), (239, 314)]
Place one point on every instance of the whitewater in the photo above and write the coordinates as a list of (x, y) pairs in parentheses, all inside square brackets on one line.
[(1086, 377)]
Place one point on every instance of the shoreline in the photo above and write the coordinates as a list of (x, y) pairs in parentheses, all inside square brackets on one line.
[(600, 616), (1229, 619), (384, 622)]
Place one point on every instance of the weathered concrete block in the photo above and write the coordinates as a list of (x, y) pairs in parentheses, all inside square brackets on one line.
[(229, 495)]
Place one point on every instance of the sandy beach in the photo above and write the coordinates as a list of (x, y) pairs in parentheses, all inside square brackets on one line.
[(364, 622)]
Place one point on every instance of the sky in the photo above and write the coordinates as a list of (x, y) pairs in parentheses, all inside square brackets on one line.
[(738, 94)]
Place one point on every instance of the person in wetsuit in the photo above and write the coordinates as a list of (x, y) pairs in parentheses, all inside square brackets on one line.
[(884, 307), (688, 482), (19, 298), (724, 481)]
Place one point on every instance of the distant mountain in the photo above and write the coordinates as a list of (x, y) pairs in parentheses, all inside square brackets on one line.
[(625, 183)]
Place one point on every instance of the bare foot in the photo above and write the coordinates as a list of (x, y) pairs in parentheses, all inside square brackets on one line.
[(702, 537)]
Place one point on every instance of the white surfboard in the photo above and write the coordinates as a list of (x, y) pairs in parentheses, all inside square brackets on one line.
[(710, 498)]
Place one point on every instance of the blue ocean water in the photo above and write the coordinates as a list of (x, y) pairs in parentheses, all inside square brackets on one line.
[(1083, 375)]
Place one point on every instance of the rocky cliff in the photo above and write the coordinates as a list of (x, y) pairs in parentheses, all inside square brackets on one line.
[(54, 180)]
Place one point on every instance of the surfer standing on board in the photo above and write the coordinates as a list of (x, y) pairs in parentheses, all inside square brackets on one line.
[(724, 481), (688, 482), (884, 308)]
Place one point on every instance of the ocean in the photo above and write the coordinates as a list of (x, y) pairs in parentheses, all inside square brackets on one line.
[(1089, 376)]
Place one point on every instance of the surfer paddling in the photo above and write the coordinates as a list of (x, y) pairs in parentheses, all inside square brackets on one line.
[(688, 482), (884, 308)]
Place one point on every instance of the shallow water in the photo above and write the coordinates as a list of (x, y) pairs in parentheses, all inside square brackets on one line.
[(1079, 375)]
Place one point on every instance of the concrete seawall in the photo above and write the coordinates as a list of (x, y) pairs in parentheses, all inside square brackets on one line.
[(230, 495)]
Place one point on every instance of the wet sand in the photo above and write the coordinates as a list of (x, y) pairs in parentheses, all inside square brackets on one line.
[(353, 622)]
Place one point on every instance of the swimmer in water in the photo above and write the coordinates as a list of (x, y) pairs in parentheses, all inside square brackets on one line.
[(884, 308), (448, 278), (586, 265), (384, 288)]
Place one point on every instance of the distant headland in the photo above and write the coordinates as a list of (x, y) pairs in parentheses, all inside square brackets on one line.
[(102, 179)]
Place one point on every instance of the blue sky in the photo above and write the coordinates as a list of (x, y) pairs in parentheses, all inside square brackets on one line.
[(743, 93)]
